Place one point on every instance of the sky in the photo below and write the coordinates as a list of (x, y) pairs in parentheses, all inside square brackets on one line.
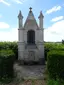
[(53, 11)]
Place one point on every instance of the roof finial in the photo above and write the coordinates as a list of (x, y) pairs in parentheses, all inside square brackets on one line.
[(30, 9)]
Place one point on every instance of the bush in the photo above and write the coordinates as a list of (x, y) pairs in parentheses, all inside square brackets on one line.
[(10, 46), (55, 64), (6, 63), (53, 82), (48, 47), (52, 46), (13, 46)]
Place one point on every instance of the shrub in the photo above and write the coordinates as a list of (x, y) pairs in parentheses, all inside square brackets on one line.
[(52, 46), (48, 47), (10, 46), (52, 82), (6, 63), (55, 64), (13, 46)]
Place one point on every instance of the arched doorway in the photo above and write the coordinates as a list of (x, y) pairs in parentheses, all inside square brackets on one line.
[(31, 37)]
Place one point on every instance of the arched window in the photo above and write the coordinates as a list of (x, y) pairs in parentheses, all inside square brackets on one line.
[(31, 37)]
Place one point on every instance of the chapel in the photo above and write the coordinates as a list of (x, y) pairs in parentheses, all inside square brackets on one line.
[(31, 39)]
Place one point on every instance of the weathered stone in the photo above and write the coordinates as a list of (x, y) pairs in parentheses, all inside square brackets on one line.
[(30, 39)]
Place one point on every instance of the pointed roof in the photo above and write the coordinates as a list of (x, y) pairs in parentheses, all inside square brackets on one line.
[(30, 15), (30, 19), (20, 15), (41, 15)]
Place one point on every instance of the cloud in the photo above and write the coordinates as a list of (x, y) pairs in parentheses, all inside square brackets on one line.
[(11, 35), (54, 9), (19, 1), (57, 18), (4, 2), (4, 25), (55, 32)]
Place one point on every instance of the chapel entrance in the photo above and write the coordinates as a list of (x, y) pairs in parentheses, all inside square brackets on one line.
[(31, 37)]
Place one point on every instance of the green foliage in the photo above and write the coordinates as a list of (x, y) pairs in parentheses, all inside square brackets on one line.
[(4, 81), (8, 54), (52, 82), (6, 64), (55, 64), (52, 46), (55, 82), (10, 45)]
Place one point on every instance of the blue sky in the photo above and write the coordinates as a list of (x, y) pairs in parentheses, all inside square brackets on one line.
[(53, 11)]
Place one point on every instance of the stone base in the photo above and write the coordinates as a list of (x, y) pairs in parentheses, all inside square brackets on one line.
[(40, 62)]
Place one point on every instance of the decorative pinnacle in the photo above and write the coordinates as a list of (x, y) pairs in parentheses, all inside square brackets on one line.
[(41, 15), (30, 9), (40, 12), (20, 14)]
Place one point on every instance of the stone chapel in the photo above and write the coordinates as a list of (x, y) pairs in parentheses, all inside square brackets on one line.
[(31, 38)]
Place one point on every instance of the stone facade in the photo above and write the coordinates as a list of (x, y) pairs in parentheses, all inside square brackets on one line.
[(31, 38)]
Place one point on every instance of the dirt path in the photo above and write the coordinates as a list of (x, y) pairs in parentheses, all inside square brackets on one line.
[(33, 82), (28, 82)]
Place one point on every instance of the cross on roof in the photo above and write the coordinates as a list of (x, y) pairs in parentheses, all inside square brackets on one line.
[(30, 8)]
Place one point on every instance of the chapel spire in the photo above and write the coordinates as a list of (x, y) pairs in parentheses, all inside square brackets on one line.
[(41, 20), (41, 15), (20, 18), (20, 15)]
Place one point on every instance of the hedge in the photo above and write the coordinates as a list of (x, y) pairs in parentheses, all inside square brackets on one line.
[(55, 64), (6, 63), (10, 46), (52, 46)]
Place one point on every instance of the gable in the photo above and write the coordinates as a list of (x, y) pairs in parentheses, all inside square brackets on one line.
[(31, 22)]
